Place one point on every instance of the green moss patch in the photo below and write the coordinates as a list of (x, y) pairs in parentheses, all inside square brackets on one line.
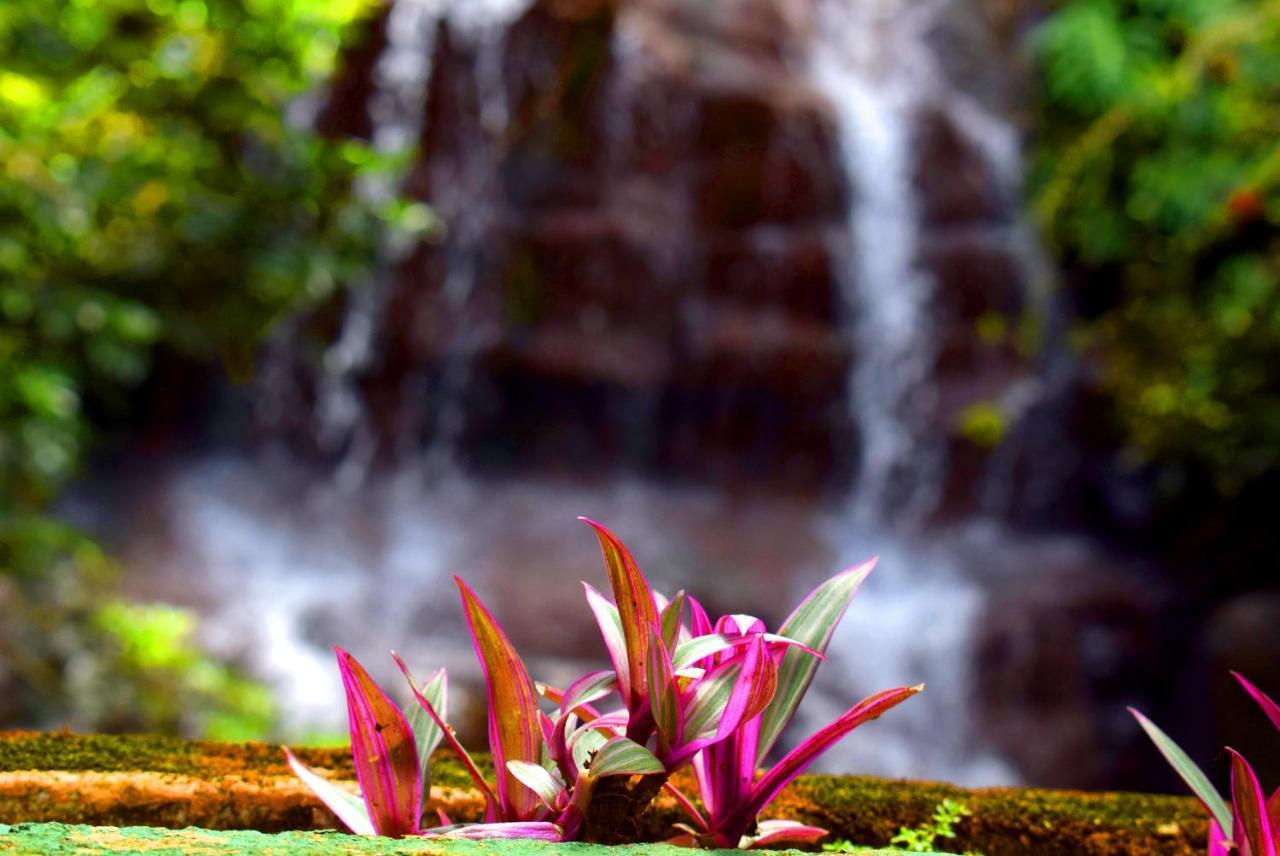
[(162, 782), (61, 839)]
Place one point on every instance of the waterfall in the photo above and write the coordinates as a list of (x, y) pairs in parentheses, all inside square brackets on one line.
[(915, 619), (396, 109)]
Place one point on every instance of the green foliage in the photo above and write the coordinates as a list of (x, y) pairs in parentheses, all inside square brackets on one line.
[(1155, 175), (924, 838), (153, 195)]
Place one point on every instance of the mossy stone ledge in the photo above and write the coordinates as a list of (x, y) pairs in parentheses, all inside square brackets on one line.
[(123, 781)]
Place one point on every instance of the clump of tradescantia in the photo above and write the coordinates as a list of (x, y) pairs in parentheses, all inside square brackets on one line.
[(1250, 825), (714, 695)]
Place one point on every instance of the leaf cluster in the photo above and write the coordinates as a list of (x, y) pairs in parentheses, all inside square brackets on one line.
[(1155, 177)]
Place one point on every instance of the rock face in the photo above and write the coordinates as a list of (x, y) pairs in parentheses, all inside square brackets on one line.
[(647, 212)]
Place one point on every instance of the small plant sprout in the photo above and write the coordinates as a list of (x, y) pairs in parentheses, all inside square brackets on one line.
[(924, 838), (1250, 825), (714, 695)]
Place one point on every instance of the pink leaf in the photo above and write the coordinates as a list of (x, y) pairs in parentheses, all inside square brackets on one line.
[(635, 606), (386, 759), (1219, 844), (514, 730), (535, 830), (1268, 706), (799, 758), (774, 832), (468, 764), (1251, 822)]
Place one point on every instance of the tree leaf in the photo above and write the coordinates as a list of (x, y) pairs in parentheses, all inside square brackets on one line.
[(349, 808), (382, 747), (514, 730), (1190, 773), (812, 623)]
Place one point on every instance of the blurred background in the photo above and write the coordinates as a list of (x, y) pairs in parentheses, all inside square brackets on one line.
[(306, 305)]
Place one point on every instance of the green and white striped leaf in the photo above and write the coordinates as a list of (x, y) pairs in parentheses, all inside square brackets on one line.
[(671, 617), (623, 757), (426, 733), (812, 623), (537, 779), (349, 808), (710, 698), (1189, 771)]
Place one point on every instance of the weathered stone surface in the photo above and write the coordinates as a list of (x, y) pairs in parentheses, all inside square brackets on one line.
[(63, 839), (167, 782)]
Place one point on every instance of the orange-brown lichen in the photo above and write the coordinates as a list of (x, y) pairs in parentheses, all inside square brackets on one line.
[(168, 782)]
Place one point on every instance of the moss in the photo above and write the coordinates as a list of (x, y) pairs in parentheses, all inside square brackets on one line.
[(167, 782), (60, 839)]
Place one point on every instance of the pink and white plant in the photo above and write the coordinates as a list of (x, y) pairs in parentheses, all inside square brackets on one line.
[(712, 695), (1250, 825)]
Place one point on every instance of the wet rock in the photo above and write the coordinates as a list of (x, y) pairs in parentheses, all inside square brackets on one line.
[(1062, 651)]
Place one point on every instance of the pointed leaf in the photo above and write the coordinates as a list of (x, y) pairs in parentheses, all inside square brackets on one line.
[(664, 699), (706, 709), (635, 605), (534, 830), (1251, 821), (1188, 770), (615, 642), (799, 758), (348, 807), (774, 832), (386, 759), (426, 734), (468, 764), (813, 622), (591, 687), (1273, 810), (514, 730), (761, 680), (671, 618), (537, 779), (698, 648), (699, 622), (1219, 844), (585, 743), (622, 757), (1269, 707)]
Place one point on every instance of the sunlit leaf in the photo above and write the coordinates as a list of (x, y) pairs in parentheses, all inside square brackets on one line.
[(635, 605), (812, 623), (620, 756), (515, 733), (348, 807), (382, 747), (1189, 771)]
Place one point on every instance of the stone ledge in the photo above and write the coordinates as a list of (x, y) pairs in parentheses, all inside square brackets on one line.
[(63, 839), (165, 782)]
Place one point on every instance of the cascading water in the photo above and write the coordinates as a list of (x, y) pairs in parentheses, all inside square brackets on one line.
[(367, 565), (914, 620)]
